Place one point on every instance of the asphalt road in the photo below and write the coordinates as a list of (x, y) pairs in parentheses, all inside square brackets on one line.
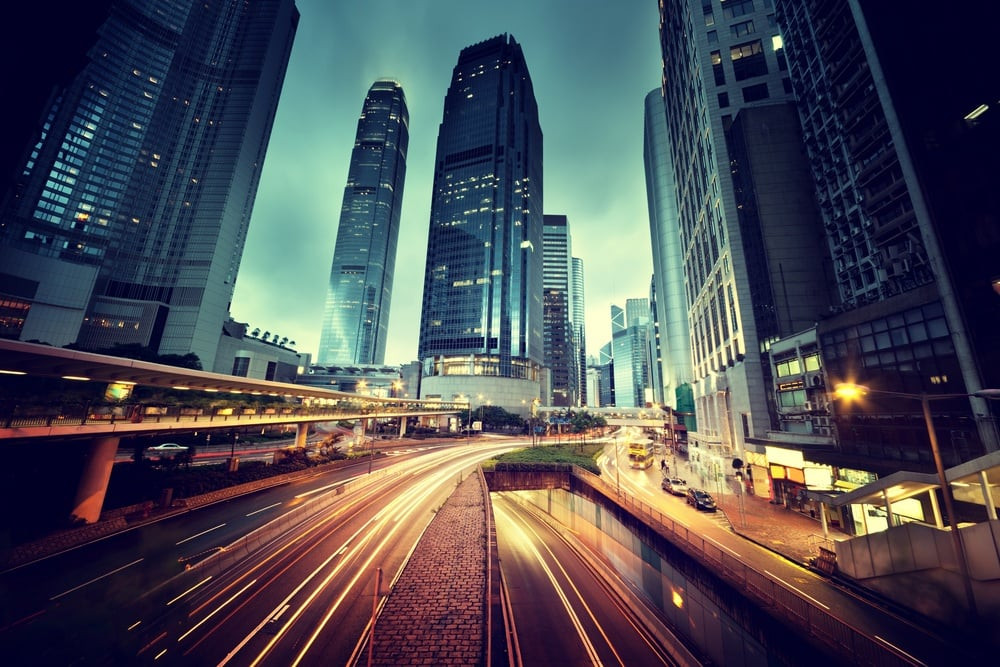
[(125, 599)]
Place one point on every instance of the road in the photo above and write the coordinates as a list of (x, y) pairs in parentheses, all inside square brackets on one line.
[(911, 642), (564, 611), (305, 598)]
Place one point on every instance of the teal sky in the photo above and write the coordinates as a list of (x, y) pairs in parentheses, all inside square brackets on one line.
[(592, 62)]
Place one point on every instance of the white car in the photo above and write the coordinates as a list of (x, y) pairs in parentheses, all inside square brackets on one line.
[(169, 447)]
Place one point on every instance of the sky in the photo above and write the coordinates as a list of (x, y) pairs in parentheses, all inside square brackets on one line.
[(592, 63)]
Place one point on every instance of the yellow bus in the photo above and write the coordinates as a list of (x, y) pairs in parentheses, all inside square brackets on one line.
[(640, 455)]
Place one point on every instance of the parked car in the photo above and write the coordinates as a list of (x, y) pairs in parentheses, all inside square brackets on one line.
[(701, 500), (674, 485), (169, 448)]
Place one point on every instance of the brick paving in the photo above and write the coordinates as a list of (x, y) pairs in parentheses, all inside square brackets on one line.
[(436, 612)]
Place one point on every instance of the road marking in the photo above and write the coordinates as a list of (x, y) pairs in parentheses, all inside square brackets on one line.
[(263, 509), (188, 539), (76, 588), (803, 594), (723, 546), (896, 648)]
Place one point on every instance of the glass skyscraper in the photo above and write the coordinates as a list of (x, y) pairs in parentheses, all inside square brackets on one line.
[(128, 216), (481, 323), (356, 317), (557, 304)]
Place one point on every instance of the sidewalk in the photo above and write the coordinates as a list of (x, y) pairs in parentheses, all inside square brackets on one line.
[(792, 534)]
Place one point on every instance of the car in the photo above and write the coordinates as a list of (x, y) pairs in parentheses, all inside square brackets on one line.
[(701, 500), (169, 448), (674, 485)]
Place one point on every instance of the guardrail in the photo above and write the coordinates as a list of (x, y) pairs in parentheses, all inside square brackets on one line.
[(782, 600), (83, 415)]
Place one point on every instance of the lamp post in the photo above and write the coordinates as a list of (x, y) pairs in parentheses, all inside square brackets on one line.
[(850, 391)]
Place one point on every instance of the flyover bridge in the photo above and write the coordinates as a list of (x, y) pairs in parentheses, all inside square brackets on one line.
[(219, 402)]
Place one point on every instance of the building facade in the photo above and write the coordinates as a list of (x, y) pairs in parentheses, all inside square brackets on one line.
[(906, 188), (578, 317), (630, 349), (749, 232), (128, 217), (671, 308), (557, 304), (481, 316), (356, 312)]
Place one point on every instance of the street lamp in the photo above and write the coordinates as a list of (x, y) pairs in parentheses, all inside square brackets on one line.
[(849, 391)]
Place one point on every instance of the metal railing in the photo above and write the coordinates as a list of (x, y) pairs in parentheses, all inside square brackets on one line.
[(782, 600)]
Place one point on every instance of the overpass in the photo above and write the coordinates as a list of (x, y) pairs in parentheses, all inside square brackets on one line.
[(236, 402)]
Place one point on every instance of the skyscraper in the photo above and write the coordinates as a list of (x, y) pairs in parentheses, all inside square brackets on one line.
[(630, 349), (356, 316), (560, 356), (481, 319), (907, 192), (668, 260), (578, 317), (749, 231), (127, 221)]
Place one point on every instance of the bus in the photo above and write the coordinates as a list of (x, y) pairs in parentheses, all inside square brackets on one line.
[(640, 455)]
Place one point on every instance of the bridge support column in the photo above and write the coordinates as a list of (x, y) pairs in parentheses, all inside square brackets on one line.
[(301, 433), (402, 427), (94, 480)]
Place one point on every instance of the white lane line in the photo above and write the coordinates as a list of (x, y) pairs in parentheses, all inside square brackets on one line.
[(896, 648), (263, 509), (188, 539), (803, 594), (76, 588), (723, 546)]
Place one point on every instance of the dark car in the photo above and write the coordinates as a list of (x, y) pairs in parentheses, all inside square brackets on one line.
[(701, 500)]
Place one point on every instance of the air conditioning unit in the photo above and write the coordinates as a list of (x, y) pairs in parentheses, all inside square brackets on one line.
[(814, 379), (807, 406)]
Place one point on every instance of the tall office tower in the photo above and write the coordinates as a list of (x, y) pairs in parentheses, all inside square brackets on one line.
[(606, 369), (630, 349), (655, 352), (481, 321), (907, 191), (668, 259), (749, 232), (356, 316), (127, 220), (578, 317), (557, 304)]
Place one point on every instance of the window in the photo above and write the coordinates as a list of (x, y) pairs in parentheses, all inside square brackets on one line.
[(755, 93), (723, 100), (741, 29), (709, 16), (713, 37), (748, 60), (720, 76), (735, 8)]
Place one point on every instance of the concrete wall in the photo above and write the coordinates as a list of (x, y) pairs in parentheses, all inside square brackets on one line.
[(915, 565)]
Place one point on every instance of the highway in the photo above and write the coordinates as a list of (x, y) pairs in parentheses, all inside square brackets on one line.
[(564, 610), (912, 642), (305, 598)]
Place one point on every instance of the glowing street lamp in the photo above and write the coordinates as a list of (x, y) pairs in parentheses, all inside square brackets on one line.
[(850, 391)]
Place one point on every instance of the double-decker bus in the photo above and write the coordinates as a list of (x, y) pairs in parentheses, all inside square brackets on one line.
[(640, 454)]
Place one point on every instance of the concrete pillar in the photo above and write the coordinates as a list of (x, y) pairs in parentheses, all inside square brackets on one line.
[(936, 509), (888, 509), (301, 433), (402, 427), (94, 480), (991, 510)]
